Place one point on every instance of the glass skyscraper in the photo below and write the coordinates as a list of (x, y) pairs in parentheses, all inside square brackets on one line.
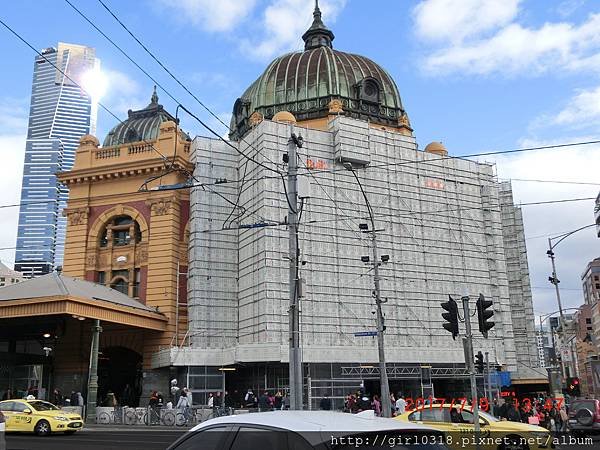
[(60, 114)]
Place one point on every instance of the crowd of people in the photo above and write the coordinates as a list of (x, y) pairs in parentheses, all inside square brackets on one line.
[(361, 401), (547, 413)]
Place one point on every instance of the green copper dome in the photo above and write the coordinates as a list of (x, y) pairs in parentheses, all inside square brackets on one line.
[(305, 82), (142, 125)]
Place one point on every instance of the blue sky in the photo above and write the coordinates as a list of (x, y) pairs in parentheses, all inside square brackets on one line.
[(478, 75)]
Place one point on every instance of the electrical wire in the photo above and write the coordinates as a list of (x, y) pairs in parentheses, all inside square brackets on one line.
[(171, 74), (145, 72), (160, 63), (22, 39)]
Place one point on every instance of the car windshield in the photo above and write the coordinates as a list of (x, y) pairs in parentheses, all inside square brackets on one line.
[(43, 406), (488, 417)]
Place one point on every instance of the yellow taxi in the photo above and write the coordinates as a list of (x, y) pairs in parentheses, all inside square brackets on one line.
[(39, 417), (456, 422)]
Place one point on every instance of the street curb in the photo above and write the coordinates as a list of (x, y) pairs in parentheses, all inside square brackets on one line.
[(96, 427)]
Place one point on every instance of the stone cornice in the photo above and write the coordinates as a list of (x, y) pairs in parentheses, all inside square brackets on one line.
[(133, 169)]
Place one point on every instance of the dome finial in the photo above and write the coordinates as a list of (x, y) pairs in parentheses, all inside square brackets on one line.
[(154, 98), (318, 35)]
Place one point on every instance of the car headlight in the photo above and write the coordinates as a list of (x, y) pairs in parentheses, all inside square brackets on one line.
[(61, 418)]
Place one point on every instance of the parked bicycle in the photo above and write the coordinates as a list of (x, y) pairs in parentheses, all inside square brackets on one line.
[(221, 411), (115, 416), (152, 416)]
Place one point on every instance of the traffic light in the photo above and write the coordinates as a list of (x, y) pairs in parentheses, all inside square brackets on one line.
[(479, 362), (483, 315), (451, 316), (573, 387)]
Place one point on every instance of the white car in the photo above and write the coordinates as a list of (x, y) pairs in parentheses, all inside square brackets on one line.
[(308, 430), (2, 430)]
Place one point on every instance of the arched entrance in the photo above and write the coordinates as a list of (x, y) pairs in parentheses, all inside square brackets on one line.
[(120, 372)]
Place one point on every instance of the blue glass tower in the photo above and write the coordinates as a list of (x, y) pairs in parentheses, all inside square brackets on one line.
[(59, 115)]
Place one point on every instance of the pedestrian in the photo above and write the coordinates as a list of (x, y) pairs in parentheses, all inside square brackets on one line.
[(263, 402), (512, 413), (325, 403), (286, 401), (80, 399), (363, 402), (218, 402), (184, 404), (564, 419), (111, 399), (153, 399), (376, 405), (249, 399), (74, 400), (278, 401), (56, 397), (211, 400), (400, 404), (555, 419)]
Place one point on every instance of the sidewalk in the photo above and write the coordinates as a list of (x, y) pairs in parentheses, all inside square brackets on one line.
[(120, 427)]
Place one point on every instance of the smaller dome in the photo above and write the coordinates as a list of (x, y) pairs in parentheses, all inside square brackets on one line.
[(436, 148), (141, 125), (284, 116)]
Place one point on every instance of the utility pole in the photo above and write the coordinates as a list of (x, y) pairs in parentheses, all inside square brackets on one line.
[(490, 391), (554, 280), (468, 346), (92, 394), (295, 364), (386, 403)]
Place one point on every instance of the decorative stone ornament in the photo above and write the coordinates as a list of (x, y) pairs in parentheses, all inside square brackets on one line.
[(336, 106), (255, 118)]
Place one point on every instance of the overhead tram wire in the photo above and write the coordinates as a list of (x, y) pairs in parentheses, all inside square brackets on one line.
[(171, 74), (206, 126), (171, 96), (22, 39), (151, 54), (186, 89), (160, 63), (472, 155)]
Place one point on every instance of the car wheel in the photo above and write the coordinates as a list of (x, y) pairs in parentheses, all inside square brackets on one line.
[(42, 428), (513, 443)]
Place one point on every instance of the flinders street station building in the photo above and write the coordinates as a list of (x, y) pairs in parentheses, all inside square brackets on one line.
[(180, 248)]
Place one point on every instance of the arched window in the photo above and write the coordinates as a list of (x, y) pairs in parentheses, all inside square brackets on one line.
[(119, 231), (121, 285)]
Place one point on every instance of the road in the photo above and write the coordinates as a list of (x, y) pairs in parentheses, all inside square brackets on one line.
[(132, 438), (141, 438)]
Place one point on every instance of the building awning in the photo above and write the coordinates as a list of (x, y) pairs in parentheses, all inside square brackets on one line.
[(56, 294), (531, 381)]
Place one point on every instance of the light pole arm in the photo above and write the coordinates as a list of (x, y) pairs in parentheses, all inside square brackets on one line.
[(566, 235), (365, 197)]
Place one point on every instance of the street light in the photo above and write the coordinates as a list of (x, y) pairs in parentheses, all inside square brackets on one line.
[(554, 280), (383, 378)]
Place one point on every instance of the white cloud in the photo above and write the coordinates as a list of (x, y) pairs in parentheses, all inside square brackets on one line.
[(454, 20), (284, 22), (571, 164), (212, 15), (583, 109), (468, 40)]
